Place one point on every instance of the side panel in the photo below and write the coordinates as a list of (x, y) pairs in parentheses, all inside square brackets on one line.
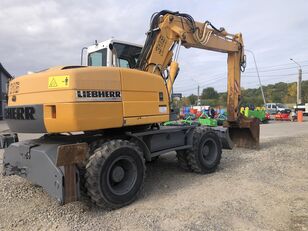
[(66, 100), (83, 116), (89, 98), (145, 99), (39, 88)]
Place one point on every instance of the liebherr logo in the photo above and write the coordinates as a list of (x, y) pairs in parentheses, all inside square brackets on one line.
[(96, 95), (19, 113)]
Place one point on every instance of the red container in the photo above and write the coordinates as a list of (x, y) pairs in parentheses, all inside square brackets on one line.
[(267, 116), (282, 116)]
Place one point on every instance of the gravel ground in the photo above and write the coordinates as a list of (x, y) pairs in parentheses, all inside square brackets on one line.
[(252, 190)]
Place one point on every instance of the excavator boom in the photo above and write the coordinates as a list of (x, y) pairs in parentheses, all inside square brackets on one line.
[(173, 29)]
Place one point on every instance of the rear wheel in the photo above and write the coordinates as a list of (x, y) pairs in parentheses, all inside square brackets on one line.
[(82, 166), (115, 174), (205, 155)]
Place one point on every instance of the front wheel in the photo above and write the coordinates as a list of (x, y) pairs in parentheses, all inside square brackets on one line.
[(115, 174)]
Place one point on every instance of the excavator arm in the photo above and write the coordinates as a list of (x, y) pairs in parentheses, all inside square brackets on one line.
[(171, 30)]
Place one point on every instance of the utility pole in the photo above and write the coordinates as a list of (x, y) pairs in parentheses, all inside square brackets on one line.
[(254, 59), (198, 101), (198, 90), (299, 83)]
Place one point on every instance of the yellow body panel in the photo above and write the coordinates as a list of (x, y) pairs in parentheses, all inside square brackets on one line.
[(140, 101), (84, 116), (140, 93), (34, 88)]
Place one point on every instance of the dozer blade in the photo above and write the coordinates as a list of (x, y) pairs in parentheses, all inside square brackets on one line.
[(245, 133)]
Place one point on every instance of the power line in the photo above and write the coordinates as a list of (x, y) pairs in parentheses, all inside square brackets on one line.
[(278, 69), (272, 78), (212, 81), (243, 76), (264, 69), (281, 75), (269, 67), (206, 81), (204, 85), (254, 82)]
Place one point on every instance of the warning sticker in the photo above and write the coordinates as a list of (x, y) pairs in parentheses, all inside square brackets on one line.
[(58, 81)]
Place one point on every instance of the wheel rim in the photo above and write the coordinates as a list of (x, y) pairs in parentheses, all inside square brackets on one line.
[(122, 175), (209, 151)]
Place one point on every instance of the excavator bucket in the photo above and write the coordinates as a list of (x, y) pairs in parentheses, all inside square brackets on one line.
[(245, 133)]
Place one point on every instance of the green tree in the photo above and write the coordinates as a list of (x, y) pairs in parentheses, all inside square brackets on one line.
[(193, 99), (209, 93), (305, 91), (290, 97), (185, 101)]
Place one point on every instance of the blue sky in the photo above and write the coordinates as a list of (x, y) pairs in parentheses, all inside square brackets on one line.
[(35, 35)]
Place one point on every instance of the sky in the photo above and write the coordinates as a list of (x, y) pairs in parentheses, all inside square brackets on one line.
[(36, 35)]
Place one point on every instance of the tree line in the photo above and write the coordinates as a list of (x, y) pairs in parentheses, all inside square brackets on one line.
[(277, 93)]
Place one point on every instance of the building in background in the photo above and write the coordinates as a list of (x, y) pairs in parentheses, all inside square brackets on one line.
[(4, 78)]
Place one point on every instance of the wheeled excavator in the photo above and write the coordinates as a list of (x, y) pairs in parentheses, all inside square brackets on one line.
[(101, 121)]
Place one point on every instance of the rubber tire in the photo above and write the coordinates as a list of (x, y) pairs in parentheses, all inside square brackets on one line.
[(181, 155), (82, 166), (97, 177), (201, 137)]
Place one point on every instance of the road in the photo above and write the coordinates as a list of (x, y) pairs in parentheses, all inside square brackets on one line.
[(264, 189)]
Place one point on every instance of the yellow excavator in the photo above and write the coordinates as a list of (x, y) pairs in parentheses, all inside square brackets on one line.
[(101, 121)]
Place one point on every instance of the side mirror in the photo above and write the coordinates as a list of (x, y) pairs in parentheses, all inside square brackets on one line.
[(110, 46)]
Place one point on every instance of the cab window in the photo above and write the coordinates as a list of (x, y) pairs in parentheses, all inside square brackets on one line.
[(123, 63), (98, 58), (127, 54)]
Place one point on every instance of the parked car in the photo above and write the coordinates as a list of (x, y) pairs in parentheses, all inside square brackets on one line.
[(274, 108)]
